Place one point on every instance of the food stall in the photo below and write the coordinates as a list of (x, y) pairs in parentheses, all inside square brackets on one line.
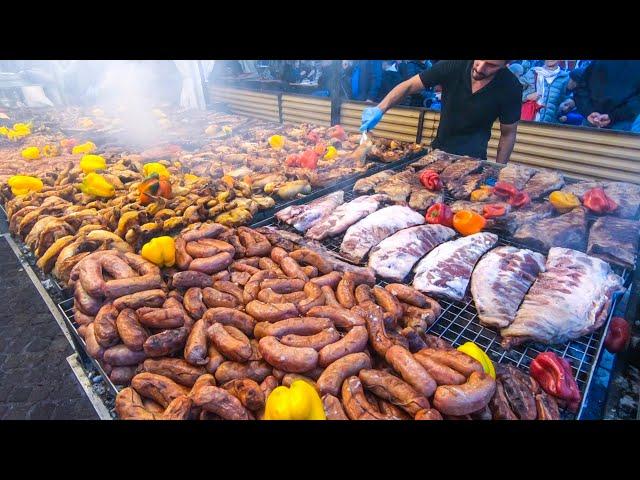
[(241, 258)]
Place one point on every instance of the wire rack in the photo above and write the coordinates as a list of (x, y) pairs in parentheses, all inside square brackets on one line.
[(458, 323), (66, 308)]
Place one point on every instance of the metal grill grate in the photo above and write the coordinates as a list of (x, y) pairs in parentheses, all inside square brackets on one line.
[(458, 323), (66, 308)]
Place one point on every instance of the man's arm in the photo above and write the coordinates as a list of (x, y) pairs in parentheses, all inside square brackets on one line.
[(627, 111), (400, 91), (507, 141)]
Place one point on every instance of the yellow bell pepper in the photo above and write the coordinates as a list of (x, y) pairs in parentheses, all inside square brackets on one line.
[(155, 167), (22, 127), (4, 131), (331, 153), (563, 202), (31, 153), (160, 250), (91, 163), (476, 352), (481, 193), (23, 184), (87, 147), (299, 402), (226, 129), (276, 141), (96, 185)]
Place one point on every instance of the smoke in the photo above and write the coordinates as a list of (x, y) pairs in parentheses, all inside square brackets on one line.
[(130, 91)]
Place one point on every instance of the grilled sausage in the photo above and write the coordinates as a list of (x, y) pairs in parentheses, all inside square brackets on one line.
[(410, 370), (133, 334), (296, 326), (195, 350), (317, 341), (288, 359), (230, 316), (354, 341), (334, 375), (193, 303), (467, 398)]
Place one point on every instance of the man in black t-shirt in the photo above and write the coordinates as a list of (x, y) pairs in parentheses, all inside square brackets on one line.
[(474, 94)]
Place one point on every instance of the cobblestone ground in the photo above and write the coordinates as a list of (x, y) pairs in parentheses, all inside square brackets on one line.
[(36, 382)]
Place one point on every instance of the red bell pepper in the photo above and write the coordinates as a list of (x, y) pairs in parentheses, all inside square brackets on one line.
[(520, 199), (554, 375), (337, 132), (492, 210), (440, 213), (292, 160), (504, 189), (618, 335), (309, 159), (430, 180), (597, 201)]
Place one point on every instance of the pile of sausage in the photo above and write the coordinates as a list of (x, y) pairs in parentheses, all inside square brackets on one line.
[(237, 316)]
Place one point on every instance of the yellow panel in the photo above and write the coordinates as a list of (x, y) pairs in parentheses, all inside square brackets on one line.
[(591, 135), (570, 168), (305, 117), (241, 92), (298, 107), (575, 146), (565, 156), (357, 109), (306, 100), (248, 100)]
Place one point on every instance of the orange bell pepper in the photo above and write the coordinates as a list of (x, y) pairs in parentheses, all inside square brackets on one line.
[(467, 222)]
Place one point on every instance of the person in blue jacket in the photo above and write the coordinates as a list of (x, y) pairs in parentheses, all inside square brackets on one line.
[(366, 80)]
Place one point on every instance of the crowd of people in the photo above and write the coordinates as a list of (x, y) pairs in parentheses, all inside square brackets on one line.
[(594, 93)]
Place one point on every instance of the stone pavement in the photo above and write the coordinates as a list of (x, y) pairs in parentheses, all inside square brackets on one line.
[(36, 382)]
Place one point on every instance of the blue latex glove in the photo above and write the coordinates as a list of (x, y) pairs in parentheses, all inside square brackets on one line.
[(491, 181), (370, 118)]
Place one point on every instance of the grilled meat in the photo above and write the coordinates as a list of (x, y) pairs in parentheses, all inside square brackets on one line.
[(615, 240), (569, 299), (543, 183), (568, 231)]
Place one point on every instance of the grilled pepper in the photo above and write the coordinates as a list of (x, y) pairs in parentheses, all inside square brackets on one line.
[(476, 352), (618, 335), (430, 180), (337, 132), (563, 202), (298, 402), (467, 222), (91, 163), (23, 184), (96, 185), (504, 189), (331, 153), (309, 159), (153, 187), (555, 377), (493, 210), (87, 147), (293, 160), (440, 213), (481, 194), (276, 141), (597, 201), (520, 199), (31, 153), (160, 250), (4, 131), (155, 167)]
